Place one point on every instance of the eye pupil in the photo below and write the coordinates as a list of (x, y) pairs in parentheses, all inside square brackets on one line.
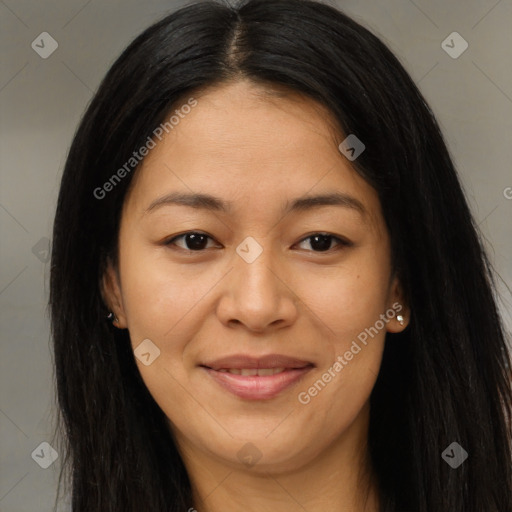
[(321, 242), (196, 241)]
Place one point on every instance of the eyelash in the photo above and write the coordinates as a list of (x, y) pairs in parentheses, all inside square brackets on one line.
[(341, 242)]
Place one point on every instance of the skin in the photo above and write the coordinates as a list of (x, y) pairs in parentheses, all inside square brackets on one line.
[(258, 149)]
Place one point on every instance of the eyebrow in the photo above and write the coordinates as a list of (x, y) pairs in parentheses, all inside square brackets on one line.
[(212, 203)]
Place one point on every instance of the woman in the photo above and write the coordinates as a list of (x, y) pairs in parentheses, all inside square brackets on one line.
[(267, 289)]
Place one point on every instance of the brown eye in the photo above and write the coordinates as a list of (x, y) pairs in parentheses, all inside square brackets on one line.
[(193, 240), (321, 242)]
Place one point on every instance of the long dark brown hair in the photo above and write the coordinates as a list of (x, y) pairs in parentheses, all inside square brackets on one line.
[(445, 378)]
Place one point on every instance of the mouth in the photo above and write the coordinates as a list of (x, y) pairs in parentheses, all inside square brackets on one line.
[(253, 378), (262, 372)]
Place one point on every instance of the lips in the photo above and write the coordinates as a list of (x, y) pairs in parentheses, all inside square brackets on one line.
[(241, 361), (257, 378), (262, 372)]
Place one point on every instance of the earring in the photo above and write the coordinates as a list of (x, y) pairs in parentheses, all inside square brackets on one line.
[(113, 318), (400, 319)]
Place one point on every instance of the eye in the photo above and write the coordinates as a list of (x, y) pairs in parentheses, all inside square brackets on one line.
[(322, 241), (197, 241), (194, 241)]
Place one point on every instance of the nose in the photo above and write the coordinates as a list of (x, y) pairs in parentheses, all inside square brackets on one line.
[(258, 294)]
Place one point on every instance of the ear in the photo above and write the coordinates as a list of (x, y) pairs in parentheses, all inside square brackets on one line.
[(112, 296), (398, 307)]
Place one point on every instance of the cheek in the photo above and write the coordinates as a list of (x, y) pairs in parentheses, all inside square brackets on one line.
[(352, 298), (159, 303), (350, 304), (156, 295)]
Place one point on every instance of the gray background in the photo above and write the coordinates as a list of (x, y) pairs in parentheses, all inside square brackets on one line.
[(41, 101)]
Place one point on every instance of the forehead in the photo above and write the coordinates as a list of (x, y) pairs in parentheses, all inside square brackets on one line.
[(246, 144)]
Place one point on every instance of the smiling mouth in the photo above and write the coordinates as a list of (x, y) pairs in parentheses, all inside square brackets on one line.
[(252, 378)]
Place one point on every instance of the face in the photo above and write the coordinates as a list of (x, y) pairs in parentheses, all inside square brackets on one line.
[(298, 293)]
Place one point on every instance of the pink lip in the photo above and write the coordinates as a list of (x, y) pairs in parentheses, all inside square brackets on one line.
[(255, 387)]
